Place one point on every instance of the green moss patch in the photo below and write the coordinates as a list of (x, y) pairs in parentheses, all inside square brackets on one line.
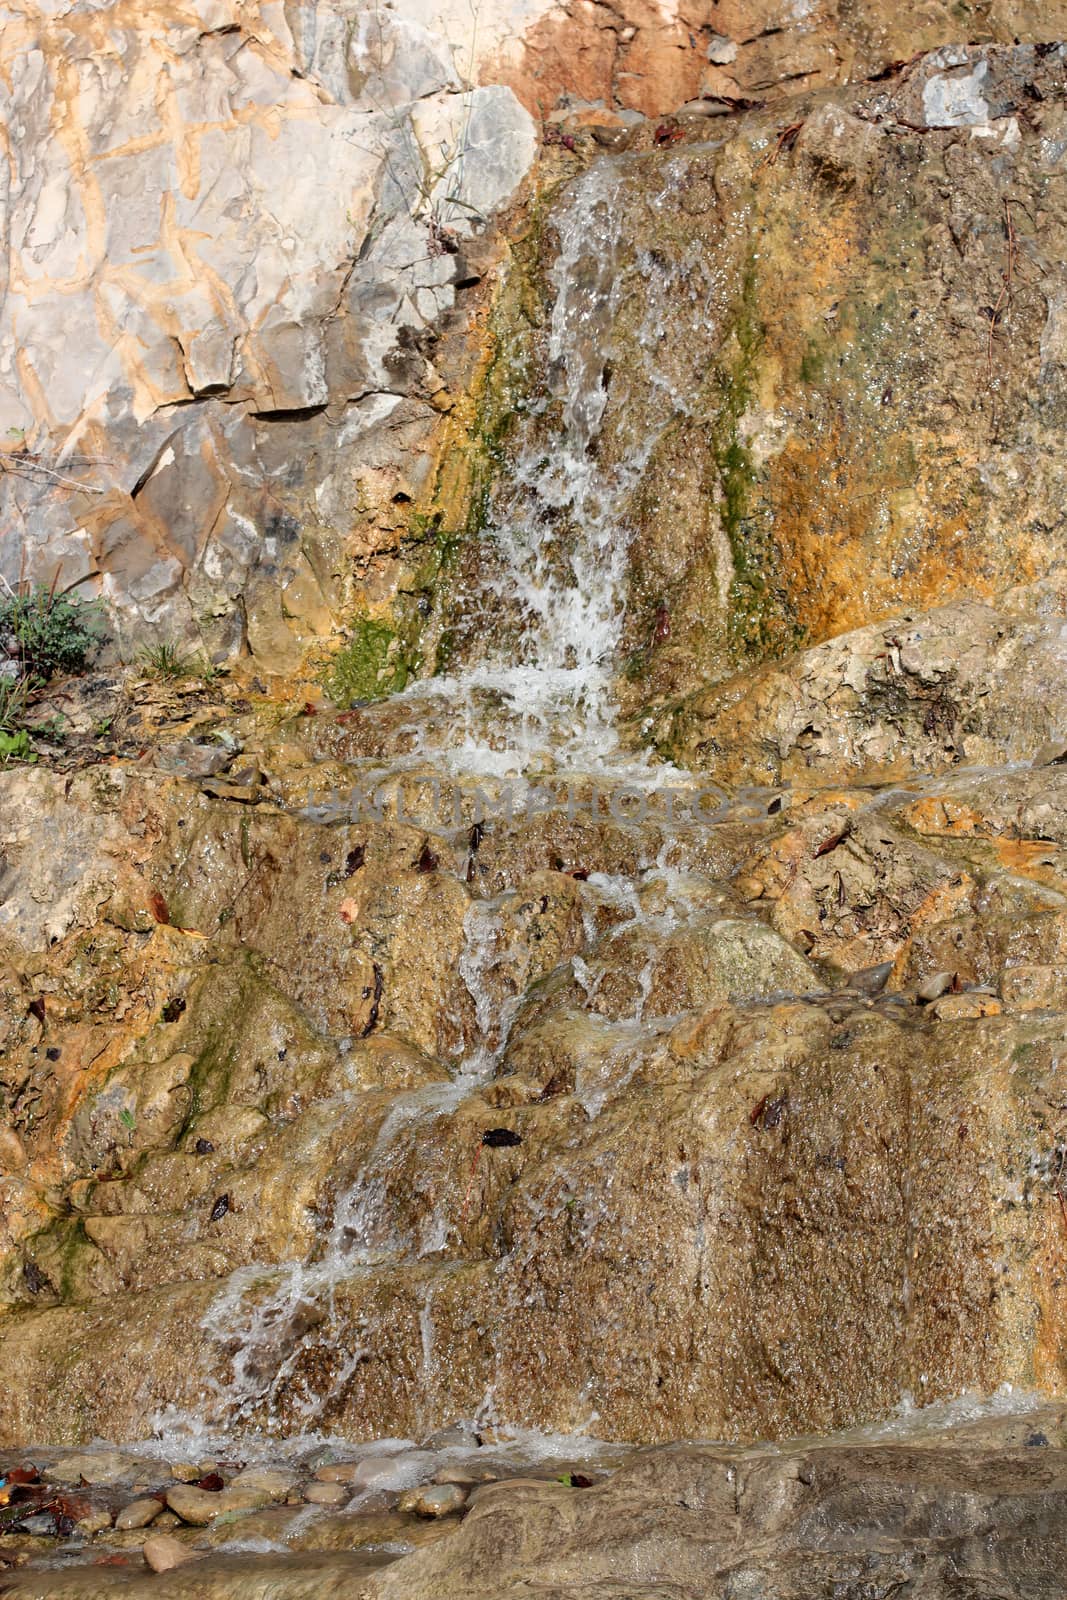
[(372, 664)]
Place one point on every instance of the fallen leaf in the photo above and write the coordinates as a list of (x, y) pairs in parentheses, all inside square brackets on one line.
[(158, 907), (500, 1138)]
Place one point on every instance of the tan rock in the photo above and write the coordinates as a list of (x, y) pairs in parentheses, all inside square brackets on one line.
[(961, 683), (433, 1500), (163, 1553), (201, 1506), (97, 1467), (138, 1514), (337, 1472), (95, 1522), (12, 1151), (965, 1007), (326, 1494), (273, 1482), (713, 1507), (1034, 988)]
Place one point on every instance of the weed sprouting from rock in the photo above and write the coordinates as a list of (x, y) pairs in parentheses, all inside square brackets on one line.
[(50, 635)]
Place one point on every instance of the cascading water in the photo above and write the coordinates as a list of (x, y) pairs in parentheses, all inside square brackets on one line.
[(543, 618), (560, 540)]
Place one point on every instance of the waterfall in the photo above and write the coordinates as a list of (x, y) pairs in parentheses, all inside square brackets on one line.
[(539, 695), (559, 527)]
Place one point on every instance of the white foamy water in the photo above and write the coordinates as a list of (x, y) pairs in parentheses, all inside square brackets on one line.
[(558, 536)]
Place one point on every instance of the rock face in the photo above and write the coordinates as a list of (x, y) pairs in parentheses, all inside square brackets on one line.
[(824, 404), (249, 252), (973, 1516), (611, 1144), (914, 695), (652, 60), (321, 1114), (225, 231)]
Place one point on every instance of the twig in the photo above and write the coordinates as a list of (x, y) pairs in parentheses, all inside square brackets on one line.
[(787, 138), (20, 465)]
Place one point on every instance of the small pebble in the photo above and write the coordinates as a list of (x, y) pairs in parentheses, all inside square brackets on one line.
[(434, 1500), (391, 1472), (161, 1552), (138, 1514), (95, 1522), (462, 1475), (185, 1472), (337, 1472), (933, 988), (326, 1494), (266, 1480)]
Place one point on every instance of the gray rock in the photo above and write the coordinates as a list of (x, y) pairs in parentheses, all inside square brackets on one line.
[(191, 760), (310, 202), (933, 987), (41, 1525), (871, 980)]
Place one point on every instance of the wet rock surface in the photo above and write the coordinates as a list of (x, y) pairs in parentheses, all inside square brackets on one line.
[(964, 1495), (351, 1094), (631, 1002), (695, 1521)]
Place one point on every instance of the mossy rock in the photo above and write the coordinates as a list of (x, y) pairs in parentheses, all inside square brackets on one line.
[(371, 666)]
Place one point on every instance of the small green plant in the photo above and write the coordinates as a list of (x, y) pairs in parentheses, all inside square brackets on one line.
[(48, 633), (14, 739), (170, 662), (15, 747)]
